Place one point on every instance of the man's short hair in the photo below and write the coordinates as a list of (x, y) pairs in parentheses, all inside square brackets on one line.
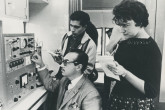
[(82, 58), (131, 10), (80, 16)]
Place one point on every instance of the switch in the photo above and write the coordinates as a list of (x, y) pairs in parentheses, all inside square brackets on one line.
[(30, 75), (14, 41), (16, 81), (15, 99), (14, 56), (32, 87), (16, 63), (22, 60), (30, 45), (34, 74), (10, 65), (15, 48)]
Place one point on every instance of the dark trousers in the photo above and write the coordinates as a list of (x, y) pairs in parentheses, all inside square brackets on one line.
[(106, 96)]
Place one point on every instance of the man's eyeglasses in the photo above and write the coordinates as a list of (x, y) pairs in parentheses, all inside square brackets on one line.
[(66, 61)]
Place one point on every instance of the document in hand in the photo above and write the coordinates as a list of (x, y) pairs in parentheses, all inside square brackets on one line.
[(104, 61), (49, 61)]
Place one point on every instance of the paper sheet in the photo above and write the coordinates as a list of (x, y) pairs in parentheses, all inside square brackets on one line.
[(104, 61), (49, 62)]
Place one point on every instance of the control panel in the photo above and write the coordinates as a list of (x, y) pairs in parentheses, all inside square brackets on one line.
[(17, 72)]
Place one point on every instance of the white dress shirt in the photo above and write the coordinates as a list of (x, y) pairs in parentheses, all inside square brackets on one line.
[(74, 82)]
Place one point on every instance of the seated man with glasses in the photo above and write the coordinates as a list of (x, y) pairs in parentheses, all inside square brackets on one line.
[(75, 92)]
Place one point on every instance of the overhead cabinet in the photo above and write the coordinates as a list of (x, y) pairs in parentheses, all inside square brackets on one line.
[(17, 9)]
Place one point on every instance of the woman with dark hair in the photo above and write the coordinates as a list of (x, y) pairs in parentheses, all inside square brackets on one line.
[(137, 59)]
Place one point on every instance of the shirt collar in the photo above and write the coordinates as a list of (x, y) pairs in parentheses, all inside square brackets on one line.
[(79, 36), (74, 82)]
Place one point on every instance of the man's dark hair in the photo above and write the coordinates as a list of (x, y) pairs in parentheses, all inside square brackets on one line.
[(131, 10), (82, 58), (80, 16), (91, 30)]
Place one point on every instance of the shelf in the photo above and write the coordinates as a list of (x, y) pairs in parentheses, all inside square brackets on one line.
[(39, 1), (32, 101)]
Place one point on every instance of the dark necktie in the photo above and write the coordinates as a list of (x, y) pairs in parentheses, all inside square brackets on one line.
[(67, 84), (66, 88)]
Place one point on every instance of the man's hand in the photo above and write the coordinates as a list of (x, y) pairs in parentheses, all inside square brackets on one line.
[(38, 60)]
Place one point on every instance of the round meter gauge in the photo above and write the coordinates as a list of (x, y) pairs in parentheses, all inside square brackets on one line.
[(23, 43)]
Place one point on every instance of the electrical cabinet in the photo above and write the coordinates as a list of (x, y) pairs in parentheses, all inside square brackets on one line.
[(18, 73), (17, 9)]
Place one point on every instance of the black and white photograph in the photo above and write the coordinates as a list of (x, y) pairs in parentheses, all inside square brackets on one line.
[(82, 54)]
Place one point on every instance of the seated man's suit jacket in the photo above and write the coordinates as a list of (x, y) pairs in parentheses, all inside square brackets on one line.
[(83, 96)]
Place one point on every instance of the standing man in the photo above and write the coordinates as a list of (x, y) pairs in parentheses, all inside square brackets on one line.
[(80, 94), (77, 38)]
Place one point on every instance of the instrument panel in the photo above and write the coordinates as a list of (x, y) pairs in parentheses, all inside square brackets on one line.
[(17, 73)]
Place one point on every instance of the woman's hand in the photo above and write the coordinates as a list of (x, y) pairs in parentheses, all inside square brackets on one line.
[(116, 36), (134, 80), (117, 69)]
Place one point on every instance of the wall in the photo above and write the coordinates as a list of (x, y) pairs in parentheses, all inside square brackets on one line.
[(159, 37), (101, 17), (162, 92), (160, 27), (49, 22), (10, 25)]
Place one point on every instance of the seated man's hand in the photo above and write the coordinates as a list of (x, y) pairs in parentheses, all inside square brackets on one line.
[(37, 59)]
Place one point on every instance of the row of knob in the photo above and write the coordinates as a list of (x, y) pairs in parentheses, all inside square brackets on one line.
[(16, 48), (16, 63), (28, 52)]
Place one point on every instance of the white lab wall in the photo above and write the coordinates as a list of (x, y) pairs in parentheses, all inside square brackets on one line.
[(160, 23), (10, 25), (49, 22), (101, 18), (151, 7), (156, 10), (156, 28), (162, 86), (159, 37)]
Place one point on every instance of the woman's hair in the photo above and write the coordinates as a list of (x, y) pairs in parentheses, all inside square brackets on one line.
[(131, 10)]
